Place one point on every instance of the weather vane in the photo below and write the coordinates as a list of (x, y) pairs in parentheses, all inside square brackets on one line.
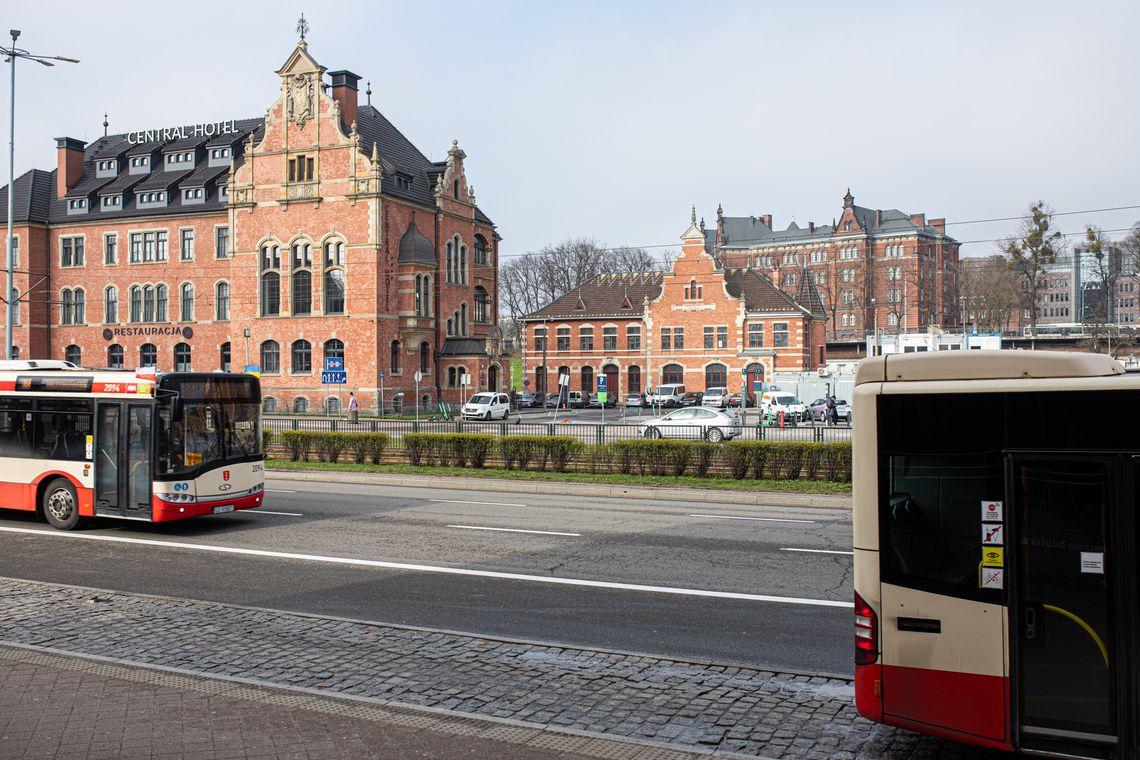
[(302, 27)]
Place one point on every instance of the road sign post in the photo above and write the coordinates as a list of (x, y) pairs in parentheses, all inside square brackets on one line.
[(602, 395), (419, 376), (381, 394)]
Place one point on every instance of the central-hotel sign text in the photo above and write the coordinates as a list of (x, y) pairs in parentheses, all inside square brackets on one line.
[(211, 129)]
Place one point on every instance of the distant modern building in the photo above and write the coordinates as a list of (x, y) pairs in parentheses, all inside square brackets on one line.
[(871, 267), (315, 232), (1074, 289)]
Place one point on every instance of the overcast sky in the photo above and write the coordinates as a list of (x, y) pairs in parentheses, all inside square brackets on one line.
[(610, 119)]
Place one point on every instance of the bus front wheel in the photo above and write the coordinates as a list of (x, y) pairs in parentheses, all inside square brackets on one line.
[(60, 505)]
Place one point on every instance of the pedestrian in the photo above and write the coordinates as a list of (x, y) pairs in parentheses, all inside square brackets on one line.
[(832, 413), (352, 411)]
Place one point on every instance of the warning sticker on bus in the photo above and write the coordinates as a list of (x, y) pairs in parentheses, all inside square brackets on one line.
[(991, 511), (992, 578), (992, 556)]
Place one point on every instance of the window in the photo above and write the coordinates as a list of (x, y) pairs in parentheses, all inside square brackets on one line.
[(182, 357), (892, 318), (710, 337), (334, 277), (633, 379), (115, 356), (450, 277), (666, 339), (722, 336), (302, 279), (77, 204), (269, 404), (73, 354), (186, 245), (756, 335), (72, 307), (160, 303), (540, 339), (224, 357), (678, 338), (111, 305), (789, 279), (693, 291), (332, 405), (716, 376), (394, 357), (148, 246), (300, 405), (480, 249), (587, 379), (586, 338), (110, 248), (222, 301), (563, 338), (609, 339), (136, 304), (302, 355), (186, 297), (451, 379), (334, 349), (71, 251), (270, 357), (148, 355), (301, 169), (780, 334), (270, 281), (148, 303), (672, 374), (481, 303), (894, 273), (425, 356), (633, 337), (221, 242), (463, 264)]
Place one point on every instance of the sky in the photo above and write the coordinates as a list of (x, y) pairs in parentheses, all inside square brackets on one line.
[(612, 119)]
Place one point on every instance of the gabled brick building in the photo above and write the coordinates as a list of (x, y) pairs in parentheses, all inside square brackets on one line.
[(317, 231), (699, 323)]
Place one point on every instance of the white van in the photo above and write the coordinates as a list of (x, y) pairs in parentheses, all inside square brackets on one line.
[(667, 395), (774, 402), (487, 406)]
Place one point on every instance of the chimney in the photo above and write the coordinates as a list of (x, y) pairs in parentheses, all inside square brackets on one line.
[(69, 154), (344, 89), (918, 219), (767, 219), (939, 224), (878, 216), (811, 227)]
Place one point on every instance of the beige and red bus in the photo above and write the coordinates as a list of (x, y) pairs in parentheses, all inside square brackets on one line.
[(995, 538), (77, 444)]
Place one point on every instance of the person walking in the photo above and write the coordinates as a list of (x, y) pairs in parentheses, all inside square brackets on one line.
[(832, 413), (353, 414)]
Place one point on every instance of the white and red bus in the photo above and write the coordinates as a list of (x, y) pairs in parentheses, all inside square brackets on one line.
[(995, 537), (76, 443)]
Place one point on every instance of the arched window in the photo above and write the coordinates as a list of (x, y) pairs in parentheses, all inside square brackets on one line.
[(186, 292), (80, 298), (480, 247), (136, 303), (463, 318), (270, 357), (160, 303), (716, 376), (426, 311), (334, 349), (66, 307), (540, 379), (270, 266), (450, 328), (115, 356), (587, 379), (633, 379), (394, 357), (481, 303), (450, 263), (269, 404), (182, 357), (463, 264), (332, 405), (302, 355), (148, 355), (300, 405), (222, 301), (334, 277), (301, 298), (425, 356), (672, 374), (111, 305), (419, 295), (451, 377), (148, 303), (224, 357), (73, 354)]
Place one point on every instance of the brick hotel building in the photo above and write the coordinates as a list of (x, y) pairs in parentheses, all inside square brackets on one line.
[(316, 231)]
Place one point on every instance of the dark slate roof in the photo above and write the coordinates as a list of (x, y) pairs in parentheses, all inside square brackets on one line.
[(605, 296), (122, 183), (759, 293), (205, 175), (463, 347), (808, 296), (415, 248), (750, 231), (162, 180), (108, 147), (88, 186), (32, 202), (184, 144)]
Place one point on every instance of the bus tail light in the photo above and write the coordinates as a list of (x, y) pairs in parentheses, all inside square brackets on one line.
[(866, 633)]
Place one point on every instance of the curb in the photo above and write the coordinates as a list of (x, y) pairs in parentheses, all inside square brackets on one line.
[(562, 488)]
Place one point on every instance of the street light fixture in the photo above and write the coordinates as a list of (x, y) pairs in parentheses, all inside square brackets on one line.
[(875, 322), (12, 54), (245, 334)]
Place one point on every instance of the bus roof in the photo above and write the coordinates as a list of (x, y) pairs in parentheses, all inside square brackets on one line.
[(983, 365)]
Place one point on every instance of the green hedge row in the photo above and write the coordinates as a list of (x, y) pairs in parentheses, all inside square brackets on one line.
[(328, 447)]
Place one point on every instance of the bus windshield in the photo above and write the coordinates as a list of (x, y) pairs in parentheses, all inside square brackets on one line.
[(207, 419)]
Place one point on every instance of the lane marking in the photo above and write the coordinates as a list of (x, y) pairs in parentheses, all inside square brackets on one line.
[(762, 519), (814, 551), (489, 503), (267, 512), (277, 490), (433, 569), (515, 530)]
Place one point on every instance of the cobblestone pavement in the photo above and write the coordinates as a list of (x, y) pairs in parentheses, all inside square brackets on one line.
[(684, 705)]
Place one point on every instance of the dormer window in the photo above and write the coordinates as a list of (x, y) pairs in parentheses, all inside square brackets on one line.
[(220, 153), (140, 164), (112, 201), (194, 195), (106, 168), (152, 199), (403, 181), (76, 204), (185, 157), (223, 192)]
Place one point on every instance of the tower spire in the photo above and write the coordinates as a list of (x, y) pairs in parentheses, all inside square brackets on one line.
[(105, 125), (302, 27)]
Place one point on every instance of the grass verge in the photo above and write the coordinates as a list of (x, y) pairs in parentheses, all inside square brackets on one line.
[(668, 481)]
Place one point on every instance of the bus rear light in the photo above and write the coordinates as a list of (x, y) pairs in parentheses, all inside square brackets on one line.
[(866, 633)]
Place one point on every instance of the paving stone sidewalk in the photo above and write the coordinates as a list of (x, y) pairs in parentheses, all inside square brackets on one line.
[(710, 708)]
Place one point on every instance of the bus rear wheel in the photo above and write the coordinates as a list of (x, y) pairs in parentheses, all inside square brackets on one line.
[(60, 505)]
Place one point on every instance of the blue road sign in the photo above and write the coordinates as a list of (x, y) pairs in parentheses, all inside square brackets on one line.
[(381, 374), (601, 383), (334, 364), (334, 377), (252, 368)]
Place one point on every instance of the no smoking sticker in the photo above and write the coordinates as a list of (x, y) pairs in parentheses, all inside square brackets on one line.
[(991, 511)]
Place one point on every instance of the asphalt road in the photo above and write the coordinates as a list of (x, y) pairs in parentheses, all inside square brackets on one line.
[(763, 586)]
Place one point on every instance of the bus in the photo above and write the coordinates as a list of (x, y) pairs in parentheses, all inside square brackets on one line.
[(77, 444), (995, 549)]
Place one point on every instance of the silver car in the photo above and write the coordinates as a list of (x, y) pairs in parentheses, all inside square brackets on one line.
[(694, 423)]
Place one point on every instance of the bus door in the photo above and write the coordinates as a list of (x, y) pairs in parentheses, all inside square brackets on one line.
[(123, 459), (1065, 570)]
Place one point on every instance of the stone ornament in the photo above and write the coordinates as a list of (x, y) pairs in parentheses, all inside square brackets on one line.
[(299, 99)]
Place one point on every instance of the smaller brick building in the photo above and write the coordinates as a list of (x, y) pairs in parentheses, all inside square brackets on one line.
[(699, 323)]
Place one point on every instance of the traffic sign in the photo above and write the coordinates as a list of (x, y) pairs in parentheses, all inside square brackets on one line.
[(419, 375), (334, 378), (381, 374), (601, 383), (334, 364)]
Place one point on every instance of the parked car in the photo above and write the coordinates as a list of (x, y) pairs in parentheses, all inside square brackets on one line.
[(818, 410), (576, 399), (667, 395), (611, 401), (487, 406), (733, 400), (692, 399), (771, 404), (717, 397), (636, 400), (530, 399), (551, 401), (695, 423)]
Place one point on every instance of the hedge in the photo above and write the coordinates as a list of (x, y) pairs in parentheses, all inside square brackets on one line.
[(328, 447)]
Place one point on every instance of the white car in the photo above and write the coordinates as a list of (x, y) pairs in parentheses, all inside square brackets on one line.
[(487, 406), (773, 403), (695, 423)]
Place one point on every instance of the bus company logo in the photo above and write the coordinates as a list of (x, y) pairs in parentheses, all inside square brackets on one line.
[(122, 332), (225, 474)]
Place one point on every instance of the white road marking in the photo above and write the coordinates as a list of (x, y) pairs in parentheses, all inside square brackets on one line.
[(814, 551), (267, 512), (277, 490), (762, 519), (489, 503), (515, 530), (433, 569)]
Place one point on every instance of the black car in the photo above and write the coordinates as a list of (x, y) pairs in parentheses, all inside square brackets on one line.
[(692, 399)]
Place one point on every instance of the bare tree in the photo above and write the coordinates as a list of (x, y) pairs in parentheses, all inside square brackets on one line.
[(1098, 298), (989, 292), (1030, 252)]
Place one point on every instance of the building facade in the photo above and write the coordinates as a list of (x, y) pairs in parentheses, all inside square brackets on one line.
[(699, 323), (872, 267), (318, 231)]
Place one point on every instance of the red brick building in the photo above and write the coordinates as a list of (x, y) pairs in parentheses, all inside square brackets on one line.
[(699, 324), (870, 266), (317, 231)]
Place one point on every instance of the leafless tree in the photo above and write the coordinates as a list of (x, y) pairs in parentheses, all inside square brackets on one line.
[(1030, 252), (989, 292)]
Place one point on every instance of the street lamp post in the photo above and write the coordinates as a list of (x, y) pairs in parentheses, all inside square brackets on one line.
[(875, 322), (245, 334), (12, 54)]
